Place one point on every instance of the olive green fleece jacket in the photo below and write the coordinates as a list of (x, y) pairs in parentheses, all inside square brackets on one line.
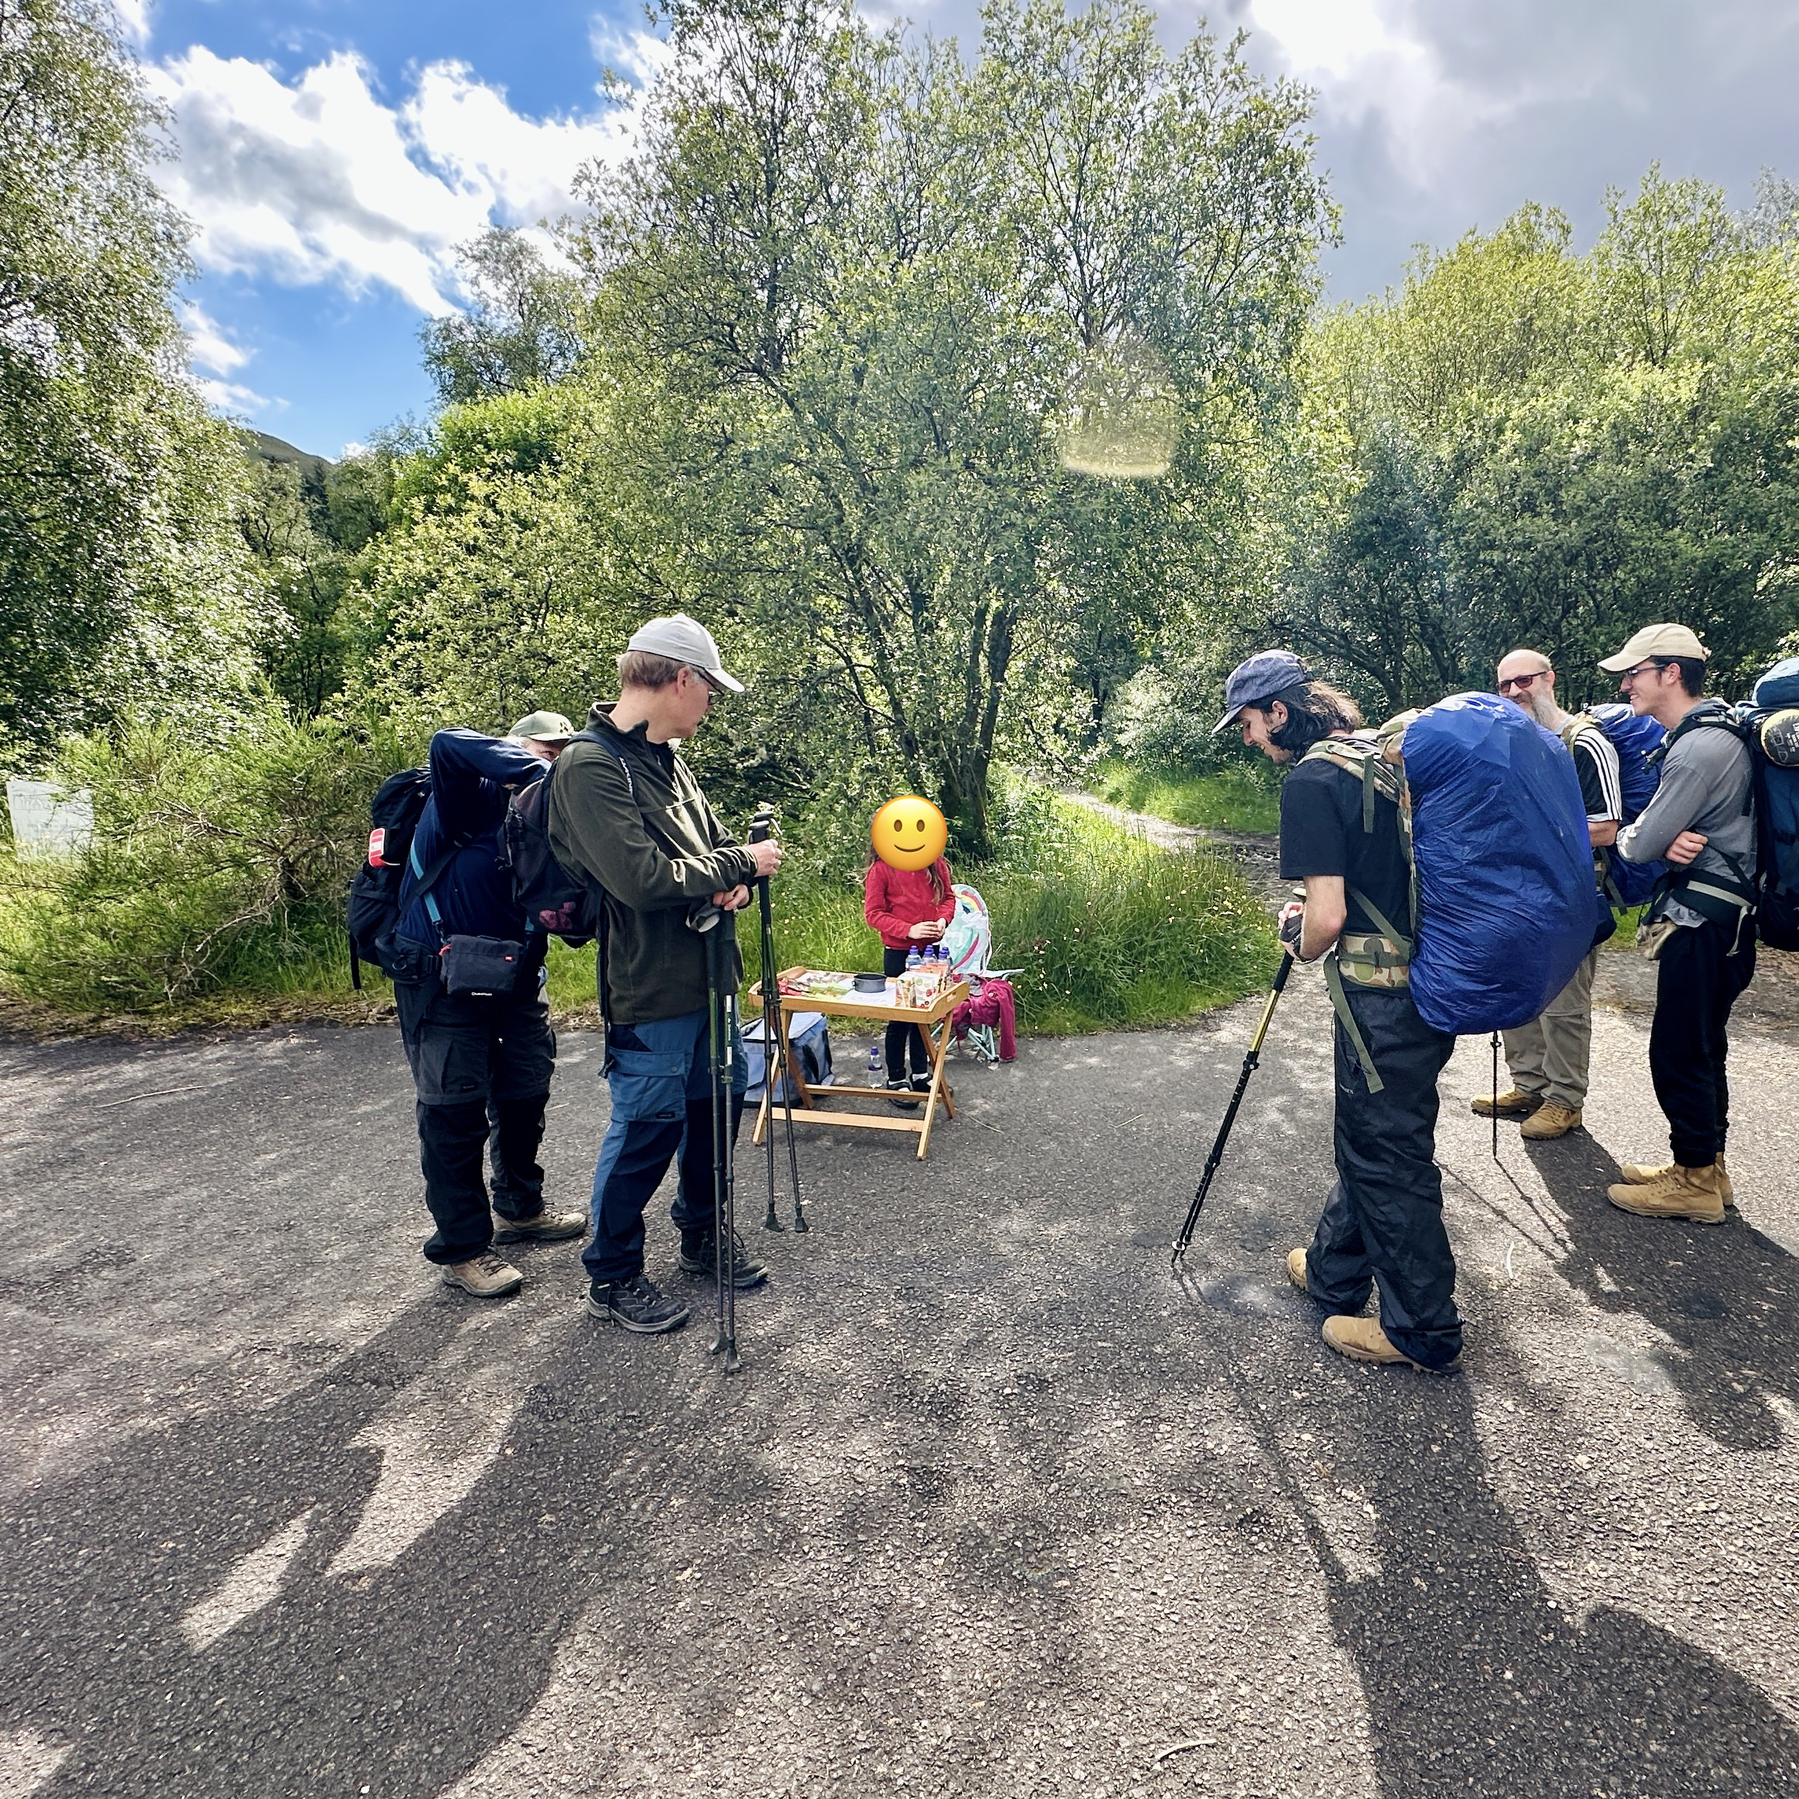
[(653, 843)]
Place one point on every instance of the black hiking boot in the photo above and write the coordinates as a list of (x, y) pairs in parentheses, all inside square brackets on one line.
[(699, 1257), (638, 1304)]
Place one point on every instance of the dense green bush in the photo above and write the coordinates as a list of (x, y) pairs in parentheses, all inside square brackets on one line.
[(217, 866)]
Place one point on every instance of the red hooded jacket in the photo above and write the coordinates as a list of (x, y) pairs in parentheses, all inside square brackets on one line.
[(895, 899)]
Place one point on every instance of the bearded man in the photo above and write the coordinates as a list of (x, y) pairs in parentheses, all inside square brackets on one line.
[(1548, 1058)]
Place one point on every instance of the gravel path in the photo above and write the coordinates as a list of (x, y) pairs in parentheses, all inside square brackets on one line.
[(996, 1506)]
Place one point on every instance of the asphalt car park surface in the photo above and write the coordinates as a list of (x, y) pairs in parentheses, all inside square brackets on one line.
[(995, 1506)]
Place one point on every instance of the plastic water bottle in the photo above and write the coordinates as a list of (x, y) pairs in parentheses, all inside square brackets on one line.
[(875, 1067), (913, 959)]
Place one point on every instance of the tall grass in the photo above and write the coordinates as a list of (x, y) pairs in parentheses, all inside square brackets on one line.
[(216, 880), (1227, 799), (1107, 930), (217, 870)]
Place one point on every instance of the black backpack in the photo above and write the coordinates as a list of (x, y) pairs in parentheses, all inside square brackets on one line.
[(552, 899), (375, 892)]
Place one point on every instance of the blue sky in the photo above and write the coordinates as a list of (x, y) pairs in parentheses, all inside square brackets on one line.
[(332, 153)]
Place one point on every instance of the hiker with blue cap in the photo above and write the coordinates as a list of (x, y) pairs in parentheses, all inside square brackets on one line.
[(1382, 1224)]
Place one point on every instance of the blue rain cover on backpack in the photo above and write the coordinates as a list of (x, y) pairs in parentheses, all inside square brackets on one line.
[(1774, 718), (1633, 736), (1779, 687), (1505, 868)]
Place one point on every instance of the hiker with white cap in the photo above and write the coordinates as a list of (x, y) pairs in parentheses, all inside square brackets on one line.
[(1700, 928), (627, 811)]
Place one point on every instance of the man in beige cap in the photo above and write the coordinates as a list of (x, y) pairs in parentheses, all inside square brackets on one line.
[(1549, 1057), (544, 734), (1702, 823)]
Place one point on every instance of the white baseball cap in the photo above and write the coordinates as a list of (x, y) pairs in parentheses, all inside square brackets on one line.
[(684, 639)]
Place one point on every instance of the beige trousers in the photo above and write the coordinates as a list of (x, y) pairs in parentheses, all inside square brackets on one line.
[(1548, 1057)]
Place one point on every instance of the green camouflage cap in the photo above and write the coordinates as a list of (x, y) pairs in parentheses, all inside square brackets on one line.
[(544, 727)]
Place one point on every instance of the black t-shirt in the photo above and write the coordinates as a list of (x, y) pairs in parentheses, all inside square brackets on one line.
[(1321, 834)]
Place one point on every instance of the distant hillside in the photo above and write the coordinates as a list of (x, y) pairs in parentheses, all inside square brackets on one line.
[(275, 449)]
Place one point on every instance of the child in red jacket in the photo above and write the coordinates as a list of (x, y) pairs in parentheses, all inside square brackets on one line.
[(909, 907)]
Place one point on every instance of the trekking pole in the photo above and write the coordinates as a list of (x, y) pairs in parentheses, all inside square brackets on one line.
[(774, 1036), (1496, 1097), (1230, 1113), (719, 1010)]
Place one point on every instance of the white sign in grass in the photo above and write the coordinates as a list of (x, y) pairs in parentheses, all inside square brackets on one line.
[(49, 818)]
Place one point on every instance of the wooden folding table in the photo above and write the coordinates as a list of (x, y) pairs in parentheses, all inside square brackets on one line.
[(933, 1021)]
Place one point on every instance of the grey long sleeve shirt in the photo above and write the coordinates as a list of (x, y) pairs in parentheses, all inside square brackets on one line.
[(1706, 778)]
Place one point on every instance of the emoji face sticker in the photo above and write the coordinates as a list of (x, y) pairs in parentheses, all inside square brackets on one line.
[(909, 832)]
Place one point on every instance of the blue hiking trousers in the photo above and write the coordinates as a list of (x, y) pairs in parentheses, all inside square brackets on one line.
[(659, 1076)]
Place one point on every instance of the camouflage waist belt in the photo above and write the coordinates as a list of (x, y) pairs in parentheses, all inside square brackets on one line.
[(1372, 961)]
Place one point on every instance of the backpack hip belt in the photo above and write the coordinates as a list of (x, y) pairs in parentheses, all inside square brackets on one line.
[(1371, 960)]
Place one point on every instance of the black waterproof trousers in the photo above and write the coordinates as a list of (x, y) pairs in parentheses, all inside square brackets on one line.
[(1697, 982), (481, 1068), (1383, 1220), (900, 1037)]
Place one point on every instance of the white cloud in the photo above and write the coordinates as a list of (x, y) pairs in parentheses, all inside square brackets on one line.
[(1364, 63), (320, 181), (134, 19), (213, 357), (207, 345)]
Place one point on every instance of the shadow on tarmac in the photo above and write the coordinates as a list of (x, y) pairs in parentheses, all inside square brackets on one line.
[(396, 1680), (1477, 1682), (1723, 1293)]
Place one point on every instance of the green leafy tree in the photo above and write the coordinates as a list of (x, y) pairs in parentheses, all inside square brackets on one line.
[(121, 578), (523, 331), (1527, 446), (857, 290)]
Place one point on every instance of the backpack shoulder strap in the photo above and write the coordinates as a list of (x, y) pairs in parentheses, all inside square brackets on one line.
[(613, 751), (1361, 757), (427, 878)]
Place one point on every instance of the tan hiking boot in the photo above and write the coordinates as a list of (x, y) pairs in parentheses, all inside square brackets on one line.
[(1550, 1120), (485, 1276), (1363, 1340), (1691, 1193), (1296, 1268), (1510, 1104), (541, 1227), (1640, 1174)]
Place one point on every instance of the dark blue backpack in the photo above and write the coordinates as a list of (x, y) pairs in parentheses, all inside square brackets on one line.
[(1635, 739), (1773, 720)]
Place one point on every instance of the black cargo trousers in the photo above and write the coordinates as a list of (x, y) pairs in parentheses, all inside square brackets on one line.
[(481, 1069), (1383, 1219), (1700, 975)]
